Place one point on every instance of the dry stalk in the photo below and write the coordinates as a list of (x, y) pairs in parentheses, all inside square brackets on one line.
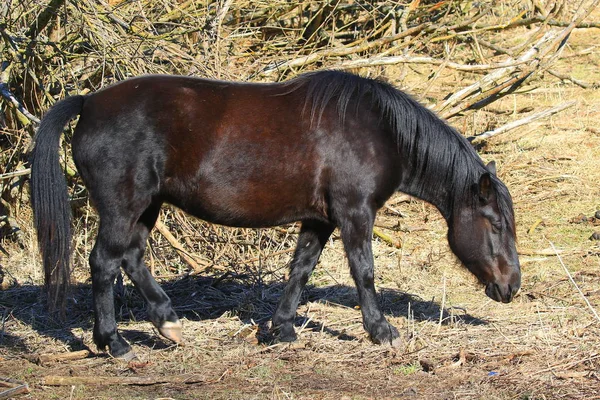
[(583, 296)]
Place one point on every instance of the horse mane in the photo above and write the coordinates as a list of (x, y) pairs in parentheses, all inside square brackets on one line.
[(437, 153)]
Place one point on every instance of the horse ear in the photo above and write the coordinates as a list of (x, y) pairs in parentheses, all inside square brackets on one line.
[(486, 190), (491, 167)]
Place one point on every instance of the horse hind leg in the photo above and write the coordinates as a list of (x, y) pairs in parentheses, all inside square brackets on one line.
[(160, 310), (312, 239), (105, 260)]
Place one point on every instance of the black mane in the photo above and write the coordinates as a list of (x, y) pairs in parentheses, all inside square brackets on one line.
[(441, 160)]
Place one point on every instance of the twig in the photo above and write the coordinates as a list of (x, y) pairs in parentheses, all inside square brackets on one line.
[(14, 174), (549, 22), (574, 283), (582, 84), (114, 18), (462, 359), (392, 60), (522, 121), (215, 24), (56, 380), (387, 238), (194, 263)]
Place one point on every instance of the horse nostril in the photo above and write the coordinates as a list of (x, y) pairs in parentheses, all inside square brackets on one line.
[(508, 295), (493, 291)]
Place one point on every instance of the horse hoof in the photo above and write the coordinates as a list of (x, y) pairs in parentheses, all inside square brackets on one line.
[(396, 343), (172, 331), (129, 356)]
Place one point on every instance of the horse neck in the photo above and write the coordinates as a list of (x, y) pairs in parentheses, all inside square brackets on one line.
[(439, 182), (438, 196)]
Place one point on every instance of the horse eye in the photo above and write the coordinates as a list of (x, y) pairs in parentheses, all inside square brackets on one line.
[(496, 227)]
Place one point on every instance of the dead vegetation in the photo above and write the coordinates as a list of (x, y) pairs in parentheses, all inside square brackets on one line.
[(487, 68)]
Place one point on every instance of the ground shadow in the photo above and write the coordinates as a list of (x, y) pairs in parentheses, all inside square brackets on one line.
[(197, 298)]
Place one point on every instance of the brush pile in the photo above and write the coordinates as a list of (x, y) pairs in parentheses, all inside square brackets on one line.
[(52, 49)]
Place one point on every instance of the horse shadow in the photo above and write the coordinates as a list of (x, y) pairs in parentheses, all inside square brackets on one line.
[(200, 298)]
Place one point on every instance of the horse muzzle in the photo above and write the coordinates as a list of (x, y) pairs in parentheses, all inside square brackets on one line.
[(503, 292)]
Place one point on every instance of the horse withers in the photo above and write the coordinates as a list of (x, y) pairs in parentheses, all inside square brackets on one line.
[(327, 149)]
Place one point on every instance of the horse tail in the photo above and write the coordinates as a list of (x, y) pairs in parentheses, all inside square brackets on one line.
[(50, 201)]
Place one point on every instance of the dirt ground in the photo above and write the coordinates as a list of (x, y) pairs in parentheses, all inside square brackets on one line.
[(457, 342)]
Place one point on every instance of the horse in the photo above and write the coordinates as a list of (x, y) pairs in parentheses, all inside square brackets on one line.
[(326, 149)]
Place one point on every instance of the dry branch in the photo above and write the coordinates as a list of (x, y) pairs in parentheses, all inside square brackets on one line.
[(393, 60), (523, 121), (56, 380), (15, 388), (460, 100), (564, 77), (539, 57), (14, 174), (71, 356), (193, 262)]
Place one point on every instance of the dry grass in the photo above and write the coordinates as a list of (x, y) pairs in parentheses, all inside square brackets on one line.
[(458, 343)]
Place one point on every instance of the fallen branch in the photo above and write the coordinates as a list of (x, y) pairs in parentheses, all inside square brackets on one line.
[(71, 356), (578, 82), (523, 121), (15, 388), (562, 365), (456, 102), (56, 380), (551, 22), (542, 252), (191, 261)]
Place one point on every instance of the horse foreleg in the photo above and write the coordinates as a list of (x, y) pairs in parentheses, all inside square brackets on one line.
[(356, 227), (312, 239)]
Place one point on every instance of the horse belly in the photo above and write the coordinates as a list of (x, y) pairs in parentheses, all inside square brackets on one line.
[(246, 200)]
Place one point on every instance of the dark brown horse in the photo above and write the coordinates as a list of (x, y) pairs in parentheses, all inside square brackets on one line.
[(327, 149)]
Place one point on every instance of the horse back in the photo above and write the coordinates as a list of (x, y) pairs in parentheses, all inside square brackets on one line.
[(229, 153)]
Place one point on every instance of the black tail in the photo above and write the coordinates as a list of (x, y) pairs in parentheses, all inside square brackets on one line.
[(50, 201)]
